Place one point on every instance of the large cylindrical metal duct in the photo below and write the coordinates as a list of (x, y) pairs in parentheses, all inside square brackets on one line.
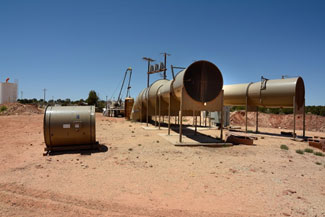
[(268, 93), (153, 91), (202, 81), (69, 125)]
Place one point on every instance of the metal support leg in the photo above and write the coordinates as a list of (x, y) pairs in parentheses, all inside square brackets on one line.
[(169, 116), (200, 118), (294, 118), (181, 119), (141, 113), (159, 110), (156, 113), (205, 118), (304, 122), (221, 123), (193, 118), (148, 108), (195, 123), (246, 115), (257, 120), (209, 119)]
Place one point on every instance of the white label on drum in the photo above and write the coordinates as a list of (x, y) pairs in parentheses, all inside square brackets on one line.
[(66, 125)]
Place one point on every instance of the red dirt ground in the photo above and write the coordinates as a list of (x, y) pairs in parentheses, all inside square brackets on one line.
[(141, 174), (19, 109)]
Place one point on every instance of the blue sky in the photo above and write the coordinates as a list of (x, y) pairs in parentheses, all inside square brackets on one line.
[(73, 46)]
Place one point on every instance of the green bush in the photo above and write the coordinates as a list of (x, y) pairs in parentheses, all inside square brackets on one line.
[(319, 154), (299, 151), (284, 147), (3, 108), (309, 150)]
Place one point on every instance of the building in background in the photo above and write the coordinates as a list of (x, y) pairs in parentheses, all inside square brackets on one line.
[(8, 92)]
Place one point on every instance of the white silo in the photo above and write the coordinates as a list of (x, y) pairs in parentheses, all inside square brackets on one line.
[(8, 92)]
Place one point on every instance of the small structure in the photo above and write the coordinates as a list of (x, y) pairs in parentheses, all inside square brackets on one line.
[(8, 92), (216, 117)]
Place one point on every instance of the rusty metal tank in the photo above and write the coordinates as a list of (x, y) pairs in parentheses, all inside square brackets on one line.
[(267, 93), (69, 125), (128, 104)]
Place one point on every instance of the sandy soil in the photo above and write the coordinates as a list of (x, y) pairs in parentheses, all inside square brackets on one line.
[(314, 123), (141, 174), (20, 109)]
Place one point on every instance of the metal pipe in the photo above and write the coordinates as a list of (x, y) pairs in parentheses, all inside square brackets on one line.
[(274, 93), (202, 82)]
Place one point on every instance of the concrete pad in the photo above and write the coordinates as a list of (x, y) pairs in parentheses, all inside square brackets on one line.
[(198, 140), (150, 128), (201, 128)]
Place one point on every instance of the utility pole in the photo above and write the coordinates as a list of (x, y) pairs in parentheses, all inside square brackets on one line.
[(165, 63), (44, 95), (149, 60), (21, 94)]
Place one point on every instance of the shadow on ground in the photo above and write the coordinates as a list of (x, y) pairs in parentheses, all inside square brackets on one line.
[(101, 148)]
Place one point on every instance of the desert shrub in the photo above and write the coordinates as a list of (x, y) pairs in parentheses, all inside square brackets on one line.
[(299, 151), (319, 154), (309, 150), (318, 163), (3, 108), (284, 147)]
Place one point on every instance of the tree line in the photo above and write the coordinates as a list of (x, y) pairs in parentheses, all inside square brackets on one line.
[(92, 99), (316, 110)]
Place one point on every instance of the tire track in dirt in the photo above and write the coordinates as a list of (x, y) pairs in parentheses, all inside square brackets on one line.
[(54, 204)]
